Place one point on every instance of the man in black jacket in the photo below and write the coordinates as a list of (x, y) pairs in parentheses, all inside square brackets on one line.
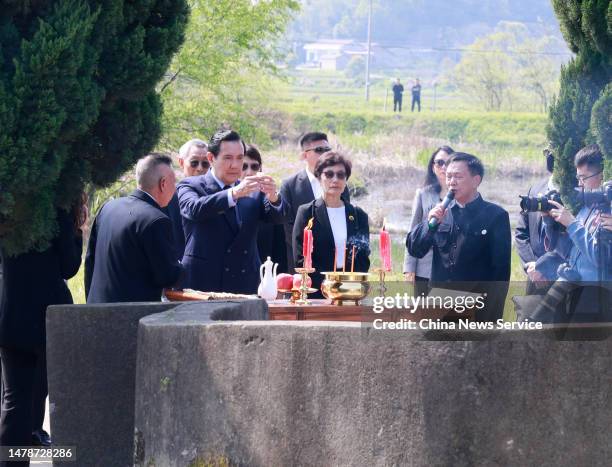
[(303, 187), (398, 91), (130, 256), (471, 244)]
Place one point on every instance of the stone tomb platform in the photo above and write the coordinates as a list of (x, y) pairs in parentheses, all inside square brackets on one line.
[(91, 367), (323, 393)]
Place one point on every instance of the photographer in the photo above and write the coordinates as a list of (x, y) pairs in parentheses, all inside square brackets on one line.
[(584, 255), (589, 257), (539, 258)]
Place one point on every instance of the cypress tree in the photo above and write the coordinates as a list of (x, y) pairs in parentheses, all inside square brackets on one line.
[(582, 112), (77, 101)]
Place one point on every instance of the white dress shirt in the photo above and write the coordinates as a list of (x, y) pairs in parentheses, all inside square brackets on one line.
[(230, 198), (337, 220), (315, 184)]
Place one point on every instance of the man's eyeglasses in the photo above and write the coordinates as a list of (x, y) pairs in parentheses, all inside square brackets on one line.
[(329, 174), (255, 166), (194, 163), (582, 178), (320, 149), (440, 163)]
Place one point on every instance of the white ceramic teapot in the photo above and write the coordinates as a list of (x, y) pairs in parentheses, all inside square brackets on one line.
[(267, 287)]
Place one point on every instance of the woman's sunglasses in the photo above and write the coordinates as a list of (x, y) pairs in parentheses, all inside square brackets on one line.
[(329, 174), (255, 166), (440, 163)]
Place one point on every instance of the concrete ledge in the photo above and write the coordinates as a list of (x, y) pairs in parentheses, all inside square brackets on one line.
[(91, 357), (317, 393)]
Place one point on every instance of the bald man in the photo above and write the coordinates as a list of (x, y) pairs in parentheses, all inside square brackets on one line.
[(130, 257)]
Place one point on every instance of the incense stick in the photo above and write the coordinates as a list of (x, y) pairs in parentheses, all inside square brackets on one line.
[(335, 257)]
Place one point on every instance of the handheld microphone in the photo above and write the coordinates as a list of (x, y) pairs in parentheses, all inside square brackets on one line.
[(433, 222)]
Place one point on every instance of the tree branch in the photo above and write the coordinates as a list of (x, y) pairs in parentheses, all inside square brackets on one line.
[(170, 81)]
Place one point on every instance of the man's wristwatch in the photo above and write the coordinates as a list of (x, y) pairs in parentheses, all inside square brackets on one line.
[(278, 198)]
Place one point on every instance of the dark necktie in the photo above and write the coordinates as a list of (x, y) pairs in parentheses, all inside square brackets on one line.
[(234, 215)]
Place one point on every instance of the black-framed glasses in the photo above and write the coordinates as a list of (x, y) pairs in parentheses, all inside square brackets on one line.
[(254, 166), (320, 149), (329, 174), (582, 178), (440, 162), (194, 163)]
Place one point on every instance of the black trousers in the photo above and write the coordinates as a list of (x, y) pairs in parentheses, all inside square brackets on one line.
[(24, 377), (397, 103), (416, 100)]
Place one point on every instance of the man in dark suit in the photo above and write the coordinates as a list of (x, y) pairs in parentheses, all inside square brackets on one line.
[(220, 218), (529, 239), (472, 241), (130, 257), (193, 161), (303, 187)]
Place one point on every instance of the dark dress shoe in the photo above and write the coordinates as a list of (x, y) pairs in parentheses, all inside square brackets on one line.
[(41, 438)]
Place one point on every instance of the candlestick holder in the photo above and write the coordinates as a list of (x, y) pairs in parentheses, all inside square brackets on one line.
[(382, 288), (304, 289)]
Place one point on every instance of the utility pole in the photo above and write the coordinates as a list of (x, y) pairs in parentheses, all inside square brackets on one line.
[(367, 77)]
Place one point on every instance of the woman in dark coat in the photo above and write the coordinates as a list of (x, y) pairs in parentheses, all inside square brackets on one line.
[(31, 282), (335, 224)]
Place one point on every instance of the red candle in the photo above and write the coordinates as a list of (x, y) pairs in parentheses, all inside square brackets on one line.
[(307, 245), (385, 249)]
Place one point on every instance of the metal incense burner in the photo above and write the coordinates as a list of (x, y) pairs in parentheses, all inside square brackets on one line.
[(345, 286)]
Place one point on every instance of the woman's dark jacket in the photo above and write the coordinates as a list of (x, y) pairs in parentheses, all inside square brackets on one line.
[(357, 233)]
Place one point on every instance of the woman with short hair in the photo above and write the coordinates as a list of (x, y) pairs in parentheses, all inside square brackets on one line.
[(337, 226)]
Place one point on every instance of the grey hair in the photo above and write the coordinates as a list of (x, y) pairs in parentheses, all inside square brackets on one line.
[(185, 148), (147, 170)]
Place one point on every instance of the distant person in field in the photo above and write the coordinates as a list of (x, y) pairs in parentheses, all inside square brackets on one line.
[(416, 95), (398, 91)]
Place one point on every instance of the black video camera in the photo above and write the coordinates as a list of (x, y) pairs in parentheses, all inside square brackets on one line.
[(540, 202)]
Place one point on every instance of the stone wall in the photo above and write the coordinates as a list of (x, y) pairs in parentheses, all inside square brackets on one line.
[(91, 360), (317, 393)]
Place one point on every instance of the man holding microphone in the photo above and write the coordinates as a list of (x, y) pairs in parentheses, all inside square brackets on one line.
[(470, 237)]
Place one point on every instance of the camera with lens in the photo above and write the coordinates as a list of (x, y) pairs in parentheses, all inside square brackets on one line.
[(601, 197), (540, 202)]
